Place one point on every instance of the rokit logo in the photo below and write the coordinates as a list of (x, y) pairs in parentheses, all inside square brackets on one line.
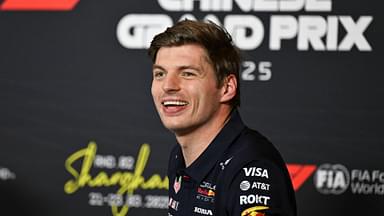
[(254, 199), (309, 31), (38, 5), (336, 179)]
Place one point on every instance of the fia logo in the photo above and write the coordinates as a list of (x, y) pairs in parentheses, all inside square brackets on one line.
[(331, 179)]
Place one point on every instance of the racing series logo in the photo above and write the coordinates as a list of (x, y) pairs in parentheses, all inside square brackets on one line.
[(335, 179), (331, 179)]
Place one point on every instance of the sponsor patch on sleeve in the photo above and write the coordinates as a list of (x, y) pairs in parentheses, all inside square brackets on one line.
[(254, 187)]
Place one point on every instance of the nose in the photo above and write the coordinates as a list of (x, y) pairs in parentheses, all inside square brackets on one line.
[(171, 83)]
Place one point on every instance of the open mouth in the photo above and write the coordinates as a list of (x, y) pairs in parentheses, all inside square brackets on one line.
[(174, 103)]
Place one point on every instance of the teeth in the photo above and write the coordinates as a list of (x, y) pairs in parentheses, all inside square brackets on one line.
[(174, 103)]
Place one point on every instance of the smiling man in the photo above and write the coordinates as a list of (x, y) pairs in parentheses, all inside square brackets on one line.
[(220, 166)]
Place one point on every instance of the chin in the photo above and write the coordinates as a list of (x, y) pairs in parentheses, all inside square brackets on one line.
[(175, 128)]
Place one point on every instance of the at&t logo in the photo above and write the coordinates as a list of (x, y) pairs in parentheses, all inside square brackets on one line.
[(332, 179)]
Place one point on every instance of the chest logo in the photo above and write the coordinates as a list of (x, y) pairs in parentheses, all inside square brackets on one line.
[(177, 184), (206, 192), (254, 211), (224, 164), (255, 171), (203, 211)]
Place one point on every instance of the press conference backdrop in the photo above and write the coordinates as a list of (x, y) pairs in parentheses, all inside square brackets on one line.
[(79, 134)]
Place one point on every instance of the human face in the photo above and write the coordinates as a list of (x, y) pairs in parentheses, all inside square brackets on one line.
[(184, 88)]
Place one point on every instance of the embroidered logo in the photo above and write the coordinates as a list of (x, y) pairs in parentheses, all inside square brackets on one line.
[(254, 211), (173, 204), (203, 211), (223, 164), (206, 192), (177, 184)]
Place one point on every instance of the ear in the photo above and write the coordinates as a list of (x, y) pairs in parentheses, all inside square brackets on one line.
[(229, 88)]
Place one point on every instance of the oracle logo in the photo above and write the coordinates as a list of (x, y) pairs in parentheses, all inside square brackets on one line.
[(38, 5)]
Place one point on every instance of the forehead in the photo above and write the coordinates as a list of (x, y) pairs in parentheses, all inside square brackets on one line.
[(191, 53)]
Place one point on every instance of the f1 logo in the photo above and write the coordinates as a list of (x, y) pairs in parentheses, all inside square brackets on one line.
[(38, 5), (299, 174)]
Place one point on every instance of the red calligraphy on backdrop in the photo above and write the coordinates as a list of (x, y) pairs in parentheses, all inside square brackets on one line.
[(38, 5)]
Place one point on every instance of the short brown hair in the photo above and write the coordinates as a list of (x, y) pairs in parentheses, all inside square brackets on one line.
[(223, 55)]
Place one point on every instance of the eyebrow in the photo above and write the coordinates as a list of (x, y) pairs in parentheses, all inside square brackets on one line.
[(155, 66), (182, 67)]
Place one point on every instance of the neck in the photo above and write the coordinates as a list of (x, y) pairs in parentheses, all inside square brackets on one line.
[(194, 143)]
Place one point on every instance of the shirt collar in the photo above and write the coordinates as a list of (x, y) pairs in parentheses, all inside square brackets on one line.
[(205, 162)]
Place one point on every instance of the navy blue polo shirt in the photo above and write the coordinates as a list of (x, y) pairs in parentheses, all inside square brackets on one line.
[(240, 173)]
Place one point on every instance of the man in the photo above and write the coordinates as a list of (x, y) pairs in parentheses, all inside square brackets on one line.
[(220, 166)]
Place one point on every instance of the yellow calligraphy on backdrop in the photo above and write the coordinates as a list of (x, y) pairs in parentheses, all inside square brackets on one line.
[(128, 182)]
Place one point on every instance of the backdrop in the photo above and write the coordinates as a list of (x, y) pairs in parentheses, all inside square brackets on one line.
[(79, 134)]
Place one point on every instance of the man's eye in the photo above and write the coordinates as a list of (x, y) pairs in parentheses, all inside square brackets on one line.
[(188, 74), (158, 74)]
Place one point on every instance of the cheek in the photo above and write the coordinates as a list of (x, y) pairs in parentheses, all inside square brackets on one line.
[(205, 96), (154, 90), (155, 98)]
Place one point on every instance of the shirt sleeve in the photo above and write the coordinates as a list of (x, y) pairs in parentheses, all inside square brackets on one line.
[(259, 189)]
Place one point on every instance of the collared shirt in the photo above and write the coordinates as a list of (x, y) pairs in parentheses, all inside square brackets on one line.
[(239, 173)]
